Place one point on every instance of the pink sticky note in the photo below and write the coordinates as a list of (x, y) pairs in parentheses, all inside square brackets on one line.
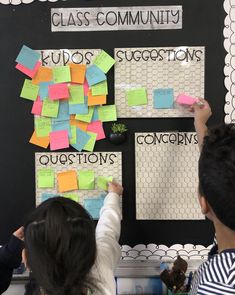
[(97, 127), (86, 88), (186, 99), (59, 140), (37, 107), (58, 91), (28, 72)]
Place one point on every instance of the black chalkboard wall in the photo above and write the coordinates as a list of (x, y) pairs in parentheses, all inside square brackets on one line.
[(29, 24)]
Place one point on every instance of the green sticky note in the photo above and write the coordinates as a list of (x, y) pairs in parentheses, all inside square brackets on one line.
[(29, 90), (61, 74), (104, 61), (102, 182), (72, 196), (46, 178), (107, 113), (136, 97), (76, 94), (86, 179), (100, 88), (42, 126), (91, 142), (73, 138), (50, 108), (87, 117)]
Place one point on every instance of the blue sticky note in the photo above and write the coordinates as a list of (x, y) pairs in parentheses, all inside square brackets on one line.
[(93, 206), (63, 113), (81, 109), (163, 98), (46, 196), (95, 116), (61, 125), (28, 57), (43, 89), (82, 139), (94, 75), (102, 196)]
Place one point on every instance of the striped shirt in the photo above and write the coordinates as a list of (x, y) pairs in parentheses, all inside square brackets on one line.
[(216, 276)]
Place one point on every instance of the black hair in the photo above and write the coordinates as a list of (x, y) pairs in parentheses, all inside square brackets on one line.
[(217, 172), (60, 246)]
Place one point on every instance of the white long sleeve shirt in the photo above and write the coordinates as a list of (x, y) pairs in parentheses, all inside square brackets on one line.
[(108, 248)]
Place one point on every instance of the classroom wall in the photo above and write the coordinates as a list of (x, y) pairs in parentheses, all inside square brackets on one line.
[(30, 25)]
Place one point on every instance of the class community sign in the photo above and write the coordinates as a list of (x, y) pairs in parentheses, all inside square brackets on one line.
[(116, 18)]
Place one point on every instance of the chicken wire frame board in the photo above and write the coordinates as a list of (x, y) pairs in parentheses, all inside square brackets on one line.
[(167, 176), (102, 163), (181, 68)]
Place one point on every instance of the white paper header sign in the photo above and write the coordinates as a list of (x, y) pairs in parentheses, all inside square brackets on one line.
[(61, 57), (116, 18)]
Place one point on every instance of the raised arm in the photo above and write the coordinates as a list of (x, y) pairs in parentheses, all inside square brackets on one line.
[(109, 226), (202, 113)]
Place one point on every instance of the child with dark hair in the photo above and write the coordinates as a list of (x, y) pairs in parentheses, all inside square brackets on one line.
[(10, 258), (217, 201), (65, 252)]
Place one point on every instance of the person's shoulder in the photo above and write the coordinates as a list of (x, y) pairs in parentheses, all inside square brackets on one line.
[(222, 261), (219, 270)]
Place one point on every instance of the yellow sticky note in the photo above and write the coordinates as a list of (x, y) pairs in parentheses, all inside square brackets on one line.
[(86, 118), (46, 178), (39, 141), (67, 181), (72, 196)]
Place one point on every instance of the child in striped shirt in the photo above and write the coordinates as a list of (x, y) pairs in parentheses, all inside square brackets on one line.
[(217, 201)]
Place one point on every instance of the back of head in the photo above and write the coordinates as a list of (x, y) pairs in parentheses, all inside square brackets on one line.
[(217, 172), (60, 246)]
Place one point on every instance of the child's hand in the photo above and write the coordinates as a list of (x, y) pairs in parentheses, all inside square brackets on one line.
[(202, 111), (114, 187), (19, 233)]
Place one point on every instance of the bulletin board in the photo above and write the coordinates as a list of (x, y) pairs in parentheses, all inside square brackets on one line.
[(180, 69), (30, 24), (166, 176), (102, 164)]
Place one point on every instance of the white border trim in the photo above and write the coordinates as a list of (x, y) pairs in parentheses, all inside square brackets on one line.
[(17, 2), (229, 67), (164, 253)]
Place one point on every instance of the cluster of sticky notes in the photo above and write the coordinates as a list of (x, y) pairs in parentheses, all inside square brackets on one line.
[(92, 205), (71, 196), (69, 102), (70, 180), (163, 98)]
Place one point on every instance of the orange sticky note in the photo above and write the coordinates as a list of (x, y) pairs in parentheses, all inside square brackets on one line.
[(77, 123), (77, 73), (39, 141), (82, 125), (96, 99), (67, 181), (44, 74)]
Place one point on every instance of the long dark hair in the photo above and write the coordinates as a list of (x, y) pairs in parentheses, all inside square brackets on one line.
[(60, 246)]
